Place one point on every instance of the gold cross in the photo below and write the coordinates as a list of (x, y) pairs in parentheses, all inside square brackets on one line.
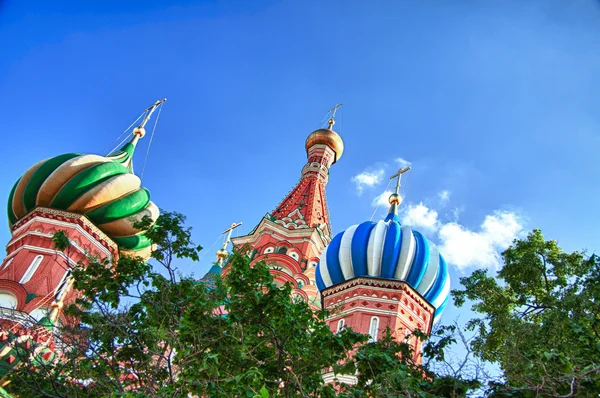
[(333, 112), (231, 228), (222, 254), (399, 176), (335, 108)]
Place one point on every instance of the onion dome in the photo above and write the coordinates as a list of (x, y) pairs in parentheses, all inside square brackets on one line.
[(210, 279), (103, 188), (326, 137), (386, 250)]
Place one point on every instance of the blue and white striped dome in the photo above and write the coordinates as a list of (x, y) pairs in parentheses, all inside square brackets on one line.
[(386, 250)]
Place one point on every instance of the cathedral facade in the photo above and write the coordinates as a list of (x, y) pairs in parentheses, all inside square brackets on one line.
[(374, 274)]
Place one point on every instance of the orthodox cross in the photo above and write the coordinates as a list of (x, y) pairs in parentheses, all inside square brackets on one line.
[(151, 110), (333, 111), (222, 254), (399, 176), (229, 231)]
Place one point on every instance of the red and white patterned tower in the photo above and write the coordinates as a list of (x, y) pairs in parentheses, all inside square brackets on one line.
[(292, 237)]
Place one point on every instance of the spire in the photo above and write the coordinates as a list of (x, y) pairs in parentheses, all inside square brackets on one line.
[(140, 131), (124, 154), (395, 198), (222, 253)]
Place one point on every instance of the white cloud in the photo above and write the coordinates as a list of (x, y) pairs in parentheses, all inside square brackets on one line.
[(402, 162), (367, 179), (469, 249), (421, 216), (381, 200), (444, 196)]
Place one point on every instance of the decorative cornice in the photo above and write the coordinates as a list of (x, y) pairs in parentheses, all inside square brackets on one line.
[(379, 283), (311, 234), (80, 219)]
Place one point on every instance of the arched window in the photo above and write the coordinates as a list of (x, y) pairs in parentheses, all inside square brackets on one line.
[(282, 250), (32, 268), (269, 250), (300, 283), (373, 329), (341, 324), (8, 300), (294, 255)]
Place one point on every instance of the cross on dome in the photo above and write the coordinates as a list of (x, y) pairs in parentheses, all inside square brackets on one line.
[(333, 111), (395, 198), (399, 176), (222, 253)]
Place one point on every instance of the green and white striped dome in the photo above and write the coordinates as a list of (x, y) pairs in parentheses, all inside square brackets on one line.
[(103, 188)]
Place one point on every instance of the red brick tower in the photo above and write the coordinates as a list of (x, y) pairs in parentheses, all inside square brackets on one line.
[(292, 237), (95, 201)]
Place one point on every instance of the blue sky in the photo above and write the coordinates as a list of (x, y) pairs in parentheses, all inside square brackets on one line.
[(494, 102)]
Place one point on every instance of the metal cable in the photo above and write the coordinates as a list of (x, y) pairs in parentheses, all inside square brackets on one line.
[(150, 143), (126, 130), (379, 202)]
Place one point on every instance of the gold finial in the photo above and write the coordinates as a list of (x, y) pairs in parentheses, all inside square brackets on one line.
[(140, 131), (395, 198), (333, 111), (222, 252)]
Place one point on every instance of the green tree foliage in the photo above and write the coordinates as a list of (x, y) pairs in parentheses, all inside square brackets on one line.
[(539, 320), (391, 368), (145, 332), (139, 331)]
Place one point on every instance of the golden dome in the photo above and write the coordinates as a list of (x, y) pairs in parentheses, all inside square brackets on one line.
[(326, 137), (222, 254)]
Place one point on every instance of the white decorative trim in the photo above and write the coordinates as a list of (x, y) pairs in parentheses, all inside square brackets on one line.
[(268, 227), (33, 267), (42, 250), (381, 311), (9, 262), (373, 333), (69, 225), (73, 243), (331, 377)]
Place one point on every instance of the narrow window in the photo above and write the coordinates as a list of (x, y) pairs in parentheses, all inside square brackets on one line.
[(282, 250), (373, 329), (341, 324), (9, 262), (62, 286), (32, 268)]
